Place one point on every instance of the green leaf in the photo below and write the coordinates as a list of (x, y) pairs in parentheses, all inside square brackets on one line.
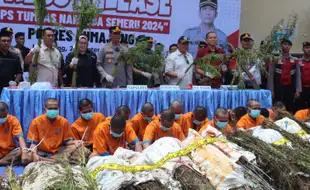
[(85, 13), (142, 58)]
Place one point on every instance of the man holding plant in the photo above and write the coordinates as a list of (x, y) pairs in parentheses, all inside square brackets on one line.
[(113, 73), (178, 65)]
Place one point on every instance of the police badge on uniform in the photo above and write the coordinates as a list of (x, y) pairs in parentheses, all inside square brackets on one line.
[(109, 55)]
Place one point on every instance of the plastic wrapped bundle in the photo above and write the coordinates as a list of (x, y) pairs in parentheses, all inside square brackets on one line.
[(44, 175)]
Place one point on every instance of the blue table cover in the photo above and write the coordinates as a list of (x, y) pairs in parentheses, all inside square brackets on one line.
[(19, 170), (28, 104)]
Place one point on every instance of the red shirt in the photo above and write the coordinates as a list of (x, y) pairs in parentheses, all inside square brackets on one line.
[(216, 82), (305, 73)]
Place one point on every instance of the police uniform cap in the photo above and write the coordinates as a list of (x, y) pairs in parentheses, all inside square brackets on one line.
[(7, 29), (115, 29), (149, 39), (306, 44), (212, 3), (141, 38), (183, 39), (5, 34), (286, 40), (246, 36)]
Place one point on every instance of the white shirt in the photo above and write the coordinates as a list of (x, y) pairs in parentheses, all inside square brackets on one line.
[(177, 63), (48, 64)]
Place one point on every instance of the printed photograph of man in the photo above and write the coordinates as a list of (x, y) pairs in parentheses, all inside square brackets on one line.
[(208, 12)]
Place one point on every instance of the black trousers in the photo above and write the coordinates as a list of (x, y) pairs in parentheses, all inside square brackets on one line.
[(285, 94), (304, 101), (305, 96)]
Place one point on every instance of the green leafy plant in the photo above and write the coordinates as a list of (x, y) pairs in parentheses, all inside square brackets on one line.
[(280, 30), (244, 58), (143, 59), (85, 13), (278, 161), (11, 177), (41, 13), (205, 64)]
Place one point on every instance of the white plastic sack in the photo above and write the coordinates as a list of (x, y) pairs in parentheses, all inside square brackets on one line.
[(217, 133), (232, 150), (161, 148), (267, 135), (112, 179), (109, 179), (221, 171), (291, 126), (288, 125)]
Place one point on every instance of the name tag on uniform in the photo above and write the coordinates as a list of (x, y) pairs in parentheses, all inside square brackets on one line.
[(229, 87), (136, 87), (169, 87), (202, 88)]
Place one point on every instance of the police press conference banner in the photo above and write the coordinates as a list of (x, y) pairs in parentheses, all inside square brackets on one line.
[(164, 20)]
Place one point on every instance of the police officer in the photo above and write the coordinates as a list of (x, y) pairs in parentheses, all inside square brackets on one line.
[(112, 72), (10, 68), (20, 41), (304, 63), (208, 13), (247, 42), (284, 79), (12, 48)]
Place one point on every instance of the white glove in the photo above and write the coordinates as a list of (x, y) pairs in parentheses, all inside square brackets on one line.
[(181, 75), (109, 78), (12, 83), (244, 75), (35, 49), (74, 61), (207, 74), (147, 75)]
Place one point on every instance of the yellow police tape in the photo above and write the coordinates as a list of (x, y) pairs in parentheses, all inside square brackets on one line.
[(281, 141), (301, 133), (158, 164)]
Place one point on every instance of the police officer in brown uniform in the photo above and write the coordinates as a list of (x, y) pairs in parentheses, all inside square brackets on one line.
[(113, 73)]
